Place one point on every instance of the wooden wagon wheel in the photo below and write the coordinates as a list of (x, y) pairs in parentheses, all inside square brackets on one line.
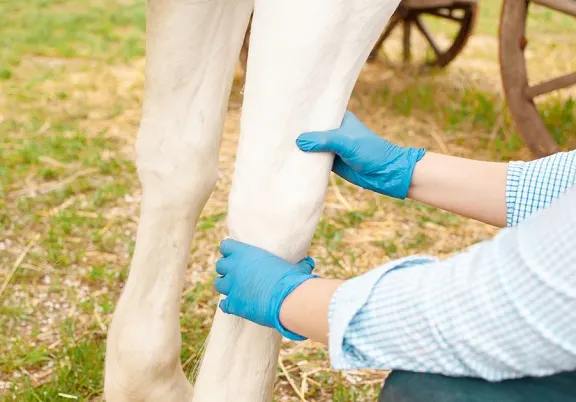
[(462, 13), (519, 94), (410, 16)]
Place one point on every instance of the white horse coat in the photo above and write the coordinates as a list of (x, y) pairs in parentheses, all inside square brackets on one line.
[(305, 56)]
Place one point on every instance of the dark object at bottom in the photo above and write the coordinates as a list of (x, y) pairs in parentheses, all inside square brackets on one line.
[(402, 386)]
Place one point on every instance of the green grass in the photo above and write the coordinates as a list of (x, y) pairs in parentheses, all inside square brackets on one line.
[(467, 107), (107, 30), (42, 148), (541, 20), (77, 373), (560, 118), (70, 94)]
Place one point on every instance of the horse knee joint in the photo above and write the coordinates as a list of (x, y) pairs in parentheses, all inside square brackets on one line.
[(174, 168)]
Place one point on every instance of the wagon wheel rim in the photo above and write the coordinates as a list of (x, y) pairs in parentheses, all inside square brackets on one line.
[(466, 22), (461, 14), (520, 95)]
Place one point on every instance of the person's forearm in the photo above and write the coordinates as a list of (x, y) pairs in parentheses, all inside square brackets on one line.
[(305, 310), (474, 189), (505, 308)]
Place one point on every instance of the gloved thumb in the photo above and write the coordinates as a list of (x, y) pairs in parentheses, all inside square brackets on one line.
[(320, 141), (307, 264)]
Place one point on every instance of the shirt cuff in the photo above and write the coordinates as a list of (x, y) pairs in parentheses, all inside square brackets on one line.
[(533, 186), (515, 170), (348, 299)]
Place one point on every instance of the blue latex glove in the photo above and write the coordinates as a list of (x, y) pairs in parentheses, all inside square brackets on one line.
[(256, 283), (365, 159)]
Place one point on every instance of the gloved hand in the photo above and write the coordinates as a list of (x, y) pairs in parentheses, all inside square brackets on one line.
[(256, 283), (365, 159)]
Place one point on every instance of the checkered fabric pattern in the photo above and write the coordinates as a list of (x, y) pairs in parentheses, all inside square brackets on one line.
[(504, 308), (532, 186)]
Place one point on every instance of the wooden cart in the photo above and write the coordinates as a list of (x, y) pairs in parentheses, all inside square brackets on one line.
[(414, 16)]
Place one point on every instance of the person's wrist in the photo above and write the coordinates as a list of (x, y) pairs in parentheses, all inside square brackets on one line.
[(397, 173), (419, 176), (305, 311), (288, 285), (415, 156), (289, 308)]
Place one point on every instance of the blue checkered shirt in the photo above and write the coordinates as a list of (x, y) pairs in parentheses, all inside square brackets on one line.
[(504, 308)]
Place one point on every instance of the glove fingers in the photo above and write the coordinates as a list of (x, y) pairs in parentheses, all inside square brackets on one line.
[(320, 141), (224, 265), (344, 170), (223, 285), (329, 140), (229, 246), (349, 174)]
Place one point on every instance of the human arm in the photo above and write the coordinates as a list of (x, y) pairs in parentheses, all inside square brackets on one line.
[(475, 189), (505, 308), (486, 191), (501, 194), (305, 310), (257, 284), (532, 186), (471, 188)]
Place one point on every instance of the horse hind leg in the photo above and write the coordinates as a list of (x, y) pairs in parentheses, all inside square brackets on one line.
[(192, 50)]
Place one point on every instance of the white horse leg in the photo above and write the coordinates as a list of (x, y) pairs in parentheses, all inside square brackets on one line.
[(305, 57), (192, 50)]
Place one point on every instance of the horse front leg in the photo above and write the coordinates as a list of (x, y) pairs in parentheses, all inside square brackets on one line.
[(192, 49), (304, 59)]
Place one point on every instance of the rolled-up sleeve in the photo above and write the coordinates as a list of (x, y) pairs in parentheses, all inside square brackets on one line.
[(532, 186), (505, 308)]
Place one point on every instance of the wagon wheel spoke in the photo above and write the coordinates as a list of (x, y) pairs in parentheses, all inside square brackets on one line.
[(440, 14), (426, 33), (389, 28), (551, 85), (459, 18), (406, 42)]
